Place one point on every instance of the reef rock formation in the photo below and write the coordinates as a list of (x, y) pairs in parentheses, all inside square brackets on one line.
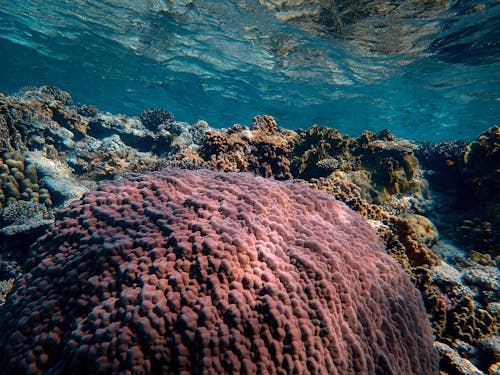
[(264, 149), (467, 178), (380, 164), (156, 273), (480, 173), (52, 151)]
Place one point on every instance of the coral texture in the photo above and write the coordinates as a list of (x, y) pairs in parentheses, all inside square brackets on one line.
[(20, 212), (348, 193), (19, 181), (264, 149), (156, 273), (480, 162), (23, 217), (154, 117), (380, 164)]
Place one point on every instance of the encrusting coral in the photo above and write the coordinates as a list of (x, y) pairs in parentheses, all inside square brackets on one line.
[(156, 273)]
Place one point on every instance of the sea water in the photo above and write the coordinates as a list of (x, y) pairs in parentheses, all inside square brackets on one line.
[(428, 70)]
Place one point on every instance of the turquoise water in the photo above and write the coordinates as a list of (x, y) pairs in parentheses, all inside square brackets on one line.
[(428, 70)]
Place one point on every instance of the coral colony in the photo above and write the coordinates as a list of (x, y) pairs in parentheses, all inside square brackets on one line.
[(157, 272)]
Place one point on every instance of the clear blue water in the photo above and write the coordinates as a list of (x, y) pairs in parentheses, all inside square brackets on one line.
[(428, 70)]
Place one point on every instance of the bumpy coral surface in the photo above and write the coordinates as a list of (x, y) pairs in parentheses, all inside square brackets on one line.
[(206, 273)]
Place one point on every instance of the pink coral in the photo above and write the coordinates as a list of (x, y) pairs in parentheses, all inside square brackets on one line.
[(206, 273)]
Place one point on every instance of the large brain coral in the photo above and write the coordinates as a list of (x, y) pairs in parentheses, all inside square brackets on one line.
[(206, 273)]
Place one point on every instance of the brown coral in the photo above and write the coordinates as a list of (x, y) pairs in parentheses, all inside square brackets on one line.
[(403, 234), (313, 146), (470, 323), (264, 149), (37, 118), (19, 181), (480, 175), (387, 164), (436, 302), (156, 274), (480, 162), (350, 194)]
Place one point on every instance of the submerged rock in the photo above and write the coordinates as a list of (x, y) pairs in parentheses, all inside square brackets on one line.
[(452, 363)]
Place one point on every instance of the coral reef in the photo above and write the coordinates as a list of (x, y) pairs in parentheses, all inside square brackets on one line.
[(19, 181), (52, 152), (25, 205), (481, 177), (57, 94), (72, 147), (478, 234), (441, 162), (470, 323), (405, 236), (423, 227), (380, 164), (10, 270), (187, 159), (35, 118), (467, 178), (452, 363), (57, 178), (48, 157), (479, 171), (155, 272), (315, 145), (456, 303), (465, 301), (350, 194), (5, 288), (21, 223), (133, 133)]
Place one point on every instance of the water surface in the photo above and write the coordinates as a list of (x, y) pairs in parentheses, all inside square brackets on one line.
[(428, 70)]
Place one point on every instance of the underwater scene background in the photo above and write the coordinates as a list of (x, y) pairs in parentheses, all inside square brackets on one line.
[(428, 70), (246, 187)]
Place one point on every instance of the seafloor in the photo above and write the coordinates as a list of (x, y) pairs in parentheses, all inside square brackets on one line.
[(435, 206)]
